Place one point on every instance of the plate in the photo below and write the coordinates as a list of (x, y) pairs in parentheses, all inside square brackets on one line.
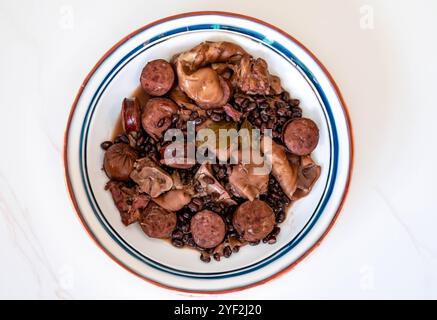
[(97, 107)]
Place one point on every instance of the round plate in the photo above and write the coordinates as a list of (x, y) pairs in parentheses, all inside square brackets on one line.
[(97, 107)]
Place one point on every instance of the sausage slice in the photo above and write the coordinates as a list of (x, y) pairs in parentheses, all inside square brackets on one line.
[(131, 115), (157, 222), (157, 77), (156, 116), (301, 136), (208, 229), (254, 220)]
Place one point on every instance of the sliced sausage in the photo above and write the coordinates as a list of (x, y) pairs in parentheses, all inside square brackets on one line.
[(254, 220), (301, 136), (156, 116), (131, 115), (119, 161), (157, 222), (208, 229), (157, 77)]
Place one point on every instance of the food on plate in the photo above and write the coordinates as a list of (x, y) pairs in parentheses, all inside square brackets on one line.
[(254, 220), (157, 115), (131, 115), (301, 136), (208, 229), (157, 77), (220, 204), (119, 161), (157, 222)]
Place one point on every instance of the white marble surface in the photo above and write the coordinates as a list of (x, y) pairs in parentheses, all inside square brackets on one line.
[(384, 244)]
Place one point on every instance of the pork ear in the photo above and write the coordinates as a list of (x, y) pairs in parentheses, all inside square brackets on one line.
[(211, 186), (308, 173), (174, 200), (150, 178), (194, 69), (282, 169)]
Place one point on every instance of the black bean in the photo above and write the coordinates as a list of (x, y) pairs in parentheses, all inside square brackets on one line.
[(264, 105), (235, 249), (177, 234), (280, 104), (216, 256), (227, 251), (275, 231), (232, 233), (221, 173), (254, 243), (216, 117), (257, 122), (285, 96), (280, 217), (191, 243), (185, 237), (198, 202), (185, 228), (250, 107), (177, 243), (186, 215), (264, 116), (106, 144), (282, 112), (271, 112), (271, 240), (122, 139), (205, 258), (245, 104), (295, 102), (193, 207)]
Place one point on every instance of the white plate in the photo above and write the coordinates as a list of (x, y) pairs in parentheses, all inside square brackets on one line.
[(94, 114)]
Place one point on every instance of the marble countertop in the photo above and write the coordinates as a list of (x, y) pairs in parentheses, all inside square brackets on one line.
[(382, 55)]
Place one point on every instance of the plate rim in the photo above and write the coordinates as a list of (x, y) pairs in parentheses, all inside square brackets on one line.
[(201, 13)]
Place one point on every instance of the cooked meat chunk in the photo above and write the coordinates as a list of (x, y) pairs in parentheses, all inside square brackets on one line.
[(174, 200), (157, 222), (254, 220), (211, 186), (301, 136), (119, 161), (156, 116), (282, 170), (151, 178), (157, 77), (128, 201), (208, 229), (246, 183)]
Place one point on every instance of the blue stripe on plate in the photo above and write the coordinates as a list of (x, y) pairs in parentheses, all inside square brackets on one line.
[(278, 48)]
